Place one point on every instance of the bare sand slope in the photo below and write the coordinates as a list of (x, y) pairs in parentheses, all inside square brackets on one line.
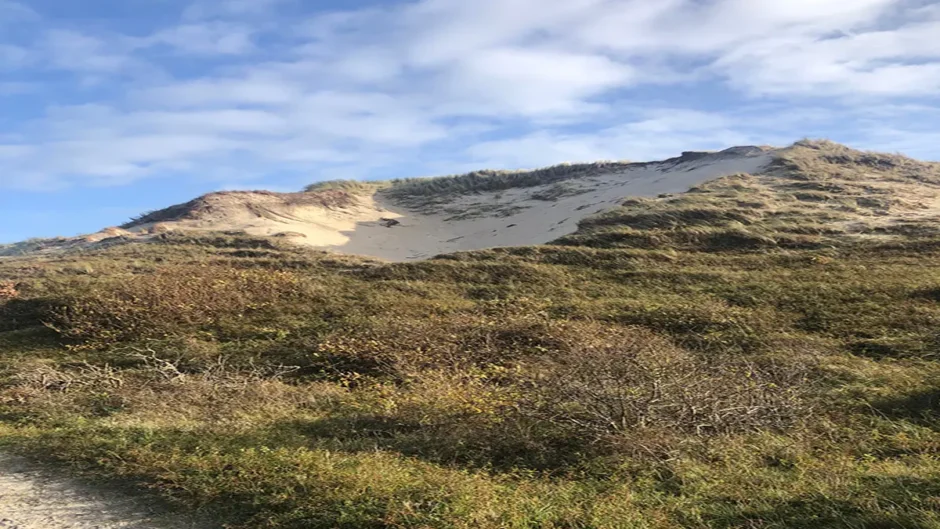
[(377, 226), (36, 498), (524, 216)]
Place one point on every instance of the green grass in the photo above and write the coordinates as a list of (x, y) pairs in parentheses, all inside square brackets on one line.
[(733, 357)]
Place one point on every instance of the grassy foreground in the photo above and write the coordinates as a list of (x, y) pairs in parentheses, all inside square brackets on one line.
[(761, 352)]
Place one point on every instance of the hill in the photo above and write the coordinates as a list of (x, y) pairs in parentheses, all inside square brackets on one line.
[(419, 218), (761, 350)]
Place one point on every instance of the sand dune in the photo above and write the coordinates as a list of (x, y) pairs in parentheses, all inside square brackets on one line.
[(378, 226)]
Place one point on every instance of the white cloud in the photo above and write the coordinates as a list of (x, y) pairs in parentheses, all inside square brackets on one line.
[(205, 39), (10, 152), (659, 134), (17, 88), (711, 27), (209, 9), (74, 51), (533, 82), (251, 89), (247, 88), (228, 121), (13, 57), (365, 117), (11, 12), (899, 61), (441, 31)]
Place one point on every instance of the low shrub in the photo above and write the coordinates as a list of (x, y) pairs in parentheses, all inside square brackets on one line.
[(168, 301), (401, 347), (606, 379)]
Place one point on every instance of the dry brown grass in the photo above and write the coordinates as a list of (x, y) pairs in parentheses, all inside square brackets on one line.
[(824, 160), (8, 291), (167, 301)]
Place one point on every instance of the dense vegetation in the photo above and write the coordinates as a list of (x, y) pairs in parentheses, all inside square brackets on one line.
[(763, 351), (418, 192)]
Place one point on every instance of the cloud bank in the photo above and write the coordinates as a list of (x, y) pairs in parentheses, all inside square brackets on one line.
[(236, 90)]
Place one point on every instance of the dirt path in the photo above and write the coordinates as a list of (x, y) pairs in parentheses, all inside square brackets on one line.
[(32, 497)]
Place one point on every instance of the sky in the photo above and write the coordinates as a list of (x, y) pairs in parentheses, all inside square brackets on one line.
[(109, 108)]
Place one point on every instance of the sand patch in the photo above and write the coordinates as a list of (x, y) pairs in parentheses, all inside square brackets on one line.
[(33, 497)]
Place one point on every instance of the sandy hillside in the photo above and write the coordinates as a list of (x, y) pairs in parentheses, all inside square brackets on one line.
[(35, 498), (379, 226)]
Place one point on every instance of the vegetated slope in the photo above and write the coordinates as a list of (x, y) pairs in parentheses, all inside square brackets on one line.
[(759, 352), (420, 218), (813, 195)]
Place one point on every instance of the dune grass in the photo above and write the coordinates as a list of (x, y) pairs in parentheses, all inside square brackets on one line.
[(351, 186), (733, 357), (418, 191)]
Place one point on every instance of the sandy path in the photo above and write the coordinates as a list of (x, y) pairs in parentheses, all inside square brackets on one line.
[(32, 497)]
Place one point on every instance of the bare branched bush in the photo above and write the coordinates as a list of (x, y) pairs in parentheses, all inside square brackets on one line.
[(178, 366), (607, 380), (84, 376)]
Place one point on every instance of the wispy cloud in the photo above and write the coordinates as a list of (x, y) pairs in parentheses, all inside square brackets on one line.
[(13, 57), (78, 52), (16, 88), (13, 12), (204, 9), (237, 89), (653, 135), (215, 38)]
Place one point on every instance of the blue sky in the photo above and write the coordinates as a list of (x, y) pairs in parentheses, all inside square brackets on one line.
[(112, 107)]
